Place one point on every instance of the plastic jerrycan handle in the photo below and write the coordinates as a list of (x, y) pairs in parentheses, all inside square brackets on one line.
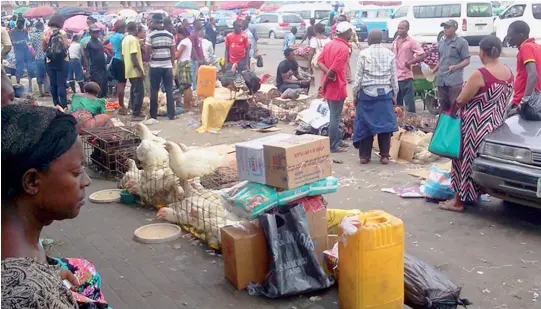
[(374, 219)]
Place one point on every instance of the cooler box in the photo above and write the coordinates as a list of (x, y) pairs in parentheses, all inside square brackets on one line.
[(206, 81), (371, 263)]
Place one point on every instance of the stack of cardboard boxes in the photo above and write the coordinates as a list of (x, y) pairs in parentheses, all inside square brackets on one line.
[(283, 161)]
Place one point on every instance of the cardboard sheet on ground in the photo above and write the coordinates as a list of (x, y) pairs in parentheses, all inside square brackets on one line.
[(423, 172), (214, 113)]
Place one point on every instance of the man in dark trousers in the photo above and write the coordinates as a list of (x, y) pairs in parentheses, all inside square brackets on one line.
[(96, 58), (454, 56)]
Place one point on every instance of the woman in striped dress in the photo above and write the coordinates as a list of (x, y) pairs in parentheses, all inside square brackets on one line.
[(482, 103)]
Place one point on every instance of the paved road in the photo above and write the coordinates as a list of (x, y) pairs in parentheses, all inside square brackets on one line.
[(273, 56)]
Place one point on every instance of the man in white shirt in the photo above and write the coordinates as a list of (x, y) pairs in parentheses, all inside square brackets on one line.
[(184, 67), (208, 51)]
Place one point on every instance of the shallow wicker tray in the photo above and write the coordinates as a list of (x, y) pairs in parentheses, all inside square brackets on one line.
[(105, 196), (157, 233)]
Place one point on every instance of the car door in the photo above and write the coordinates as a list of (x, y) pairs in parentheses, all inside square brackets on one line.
[(512, 13), (479, 19), (325, 23), (255, 23), (263, 28), (535, 32)]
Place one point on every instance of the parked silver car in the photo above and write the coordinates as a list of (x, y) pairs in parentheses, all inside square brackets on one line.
[(509, 162), (276, 25)]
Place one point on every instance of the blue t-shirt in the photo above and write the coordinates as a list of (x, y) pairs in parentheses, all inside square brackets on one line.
[(19, 40), (116, 41), (289, 39)]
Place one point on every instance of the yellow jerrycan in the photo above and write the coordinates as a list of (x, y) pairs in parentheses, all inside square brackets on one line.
[(206, 81), (371, 261)]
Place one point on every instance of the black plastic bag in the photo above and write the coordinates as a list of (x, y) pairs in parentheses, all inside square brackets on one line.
[(531, 109), (294, 268), (427, 288)]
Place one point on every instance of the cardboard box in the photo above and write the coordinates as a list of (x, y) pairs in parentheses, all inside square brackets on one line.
[(246, 257), (395, 144), (408, 145), (251, 160), (297, 160)]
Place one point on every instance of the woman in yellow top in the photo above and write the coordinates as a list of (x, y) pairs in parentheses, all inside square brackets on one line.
[(88, 109)]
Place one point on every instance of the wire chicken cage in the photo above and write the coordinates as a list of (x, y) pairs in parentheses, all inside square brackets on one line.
[(157, 186), (193, 204), (102, 145)]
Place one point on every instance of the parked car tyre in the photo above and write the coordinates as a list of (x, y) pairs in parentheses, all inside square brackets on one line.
[(505, 42), (272, 35)]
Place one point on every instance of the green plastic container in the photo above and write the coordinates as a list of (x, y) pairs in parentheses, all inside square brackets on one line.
[(127, 198)]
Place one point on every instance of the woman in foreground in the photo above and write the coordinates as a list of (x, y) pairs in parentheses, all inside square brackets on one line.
[(43, 180), (482, 105)]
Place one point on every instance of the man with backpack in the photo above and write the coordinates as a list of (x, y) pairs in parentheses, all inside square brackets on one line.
[(96, 59)]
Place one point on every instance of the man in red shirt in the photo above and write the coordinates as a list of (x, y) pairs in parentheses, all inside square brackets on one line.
[(528, 62), (237, 48), (333, 61)]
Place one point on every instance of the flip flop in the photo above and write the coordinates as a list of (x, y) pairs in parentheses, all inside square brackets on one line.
[(447, 206), (340, 149)]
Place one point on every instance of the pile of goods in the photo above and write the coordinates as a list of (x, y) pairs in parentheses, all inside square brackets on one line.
[(109, 105), (287, 109), (316, 119), (431, 52), (348, 117)]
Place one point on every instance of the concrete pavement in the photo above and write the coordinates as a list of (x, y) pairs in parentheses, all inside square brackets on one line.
[(492, 250)]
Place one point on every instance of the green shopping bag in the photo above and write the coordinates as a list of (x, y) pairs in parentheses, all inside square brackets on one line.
[(447, 138)]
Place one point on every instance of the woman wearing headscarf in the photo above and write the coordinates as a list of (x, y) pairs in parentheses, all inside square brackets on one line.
[(43, 180)]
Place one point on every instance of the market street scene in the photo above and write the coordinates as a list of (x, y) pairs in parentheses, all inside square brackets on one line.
[(271, 154)]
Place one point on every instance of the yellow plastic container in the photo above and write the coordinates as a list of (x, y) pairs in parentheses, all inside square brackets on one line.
[(206, 81), (371, 263)]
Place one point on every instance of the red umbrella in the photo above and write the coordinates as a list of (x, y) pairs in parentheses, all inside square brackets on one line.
[(176, 12), (40, 11), (231, 5), (270, 7)]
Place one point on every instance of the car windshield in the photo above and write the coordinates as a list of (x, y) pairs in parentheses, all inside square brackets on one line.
[(479, 10)]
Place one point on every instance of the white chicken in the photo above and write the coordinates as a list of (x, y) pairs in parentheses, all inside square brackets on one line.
[(193, 163), (174, 213), (133, 174), (145, 134), (152, 156)]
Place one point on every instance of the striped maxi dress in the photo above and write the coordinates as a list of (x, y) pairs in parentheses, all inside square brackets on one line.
[(480, 116)]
